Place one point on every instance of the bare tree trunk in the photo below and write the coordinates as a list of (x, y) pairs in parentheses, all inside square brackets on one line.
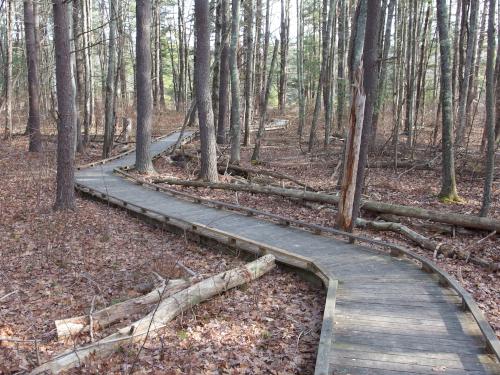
[(464, 87), (65, 194), (224, 75), (33, 88), (351, 162), (109, 126), (143, 161), (208, 170), (383, 70), (341, 78), (88, 118), (217, 58), (264, 100), (370, 79), (490, 111), (249, 76), (79, 73), (448, 183), (8, 70), (284, 36), (235, 84), (300, 67)]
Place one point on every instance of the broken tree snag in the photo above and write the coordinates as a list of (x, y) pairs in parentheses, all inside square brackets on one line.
[(461, 220), (165, 311), (353, 145), (112, 314)]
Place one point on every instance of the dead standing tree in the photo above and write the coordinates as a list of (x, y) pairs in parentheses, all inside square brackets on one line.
[(351, 162)]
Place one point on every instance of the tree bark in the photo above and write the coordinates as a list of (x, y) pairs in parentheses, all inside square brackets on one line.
[(264, 100), (351, 162), (109, 125), (166, 310), (448, 183), (224, 75), (464, 87), (8, 70), (65, 194), (490, 111), (208, 170), (35, 144), (249, 76), (143, 161), (370, 79), (235, 83)]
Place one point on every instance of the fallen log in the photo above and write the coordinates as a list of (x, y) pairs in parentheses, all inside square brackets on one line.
[(416, 237), (466, 221), (112, 314), (264, 172), (165, 311)]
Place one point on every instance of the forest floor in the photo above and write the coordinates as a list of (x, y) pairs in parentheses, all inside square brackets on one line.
[(53, 264), (407, 186)]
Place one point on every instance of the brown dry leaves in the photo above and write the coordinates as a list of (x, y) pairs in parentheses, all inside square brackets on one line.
[(59, 261)]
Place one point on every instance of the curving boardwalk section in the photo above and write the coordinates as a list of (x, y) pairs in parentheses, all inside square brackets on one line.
[(389, 317)]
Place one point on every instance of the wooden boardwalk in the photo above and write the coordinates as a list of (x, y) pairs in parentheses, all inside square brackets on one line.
[(389, 316)]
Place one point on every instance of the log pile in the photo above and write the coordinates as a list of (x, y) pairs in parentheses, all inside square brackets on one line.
[(170, 301)]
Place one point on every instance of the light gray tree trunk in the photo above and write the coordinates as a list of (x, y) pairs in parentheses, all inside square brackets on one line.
[(249, 76), (224, 75), (448, 182), (235, 84), (490, 111)]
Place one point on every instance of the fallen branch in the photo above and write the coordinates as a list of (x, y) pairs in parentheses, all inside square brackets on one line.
[(112, 314), (8, 295), (466, 221), (167, 310)]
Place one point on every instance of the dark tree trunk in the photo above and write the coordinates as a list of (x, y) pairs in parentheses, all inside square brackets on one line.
[(224, 75), (33, 88), (448, 183), (109, 126), (8, 70), (370, 79), (284, 35), (65, 194), (208, 170), (490, 111), (143, 161)]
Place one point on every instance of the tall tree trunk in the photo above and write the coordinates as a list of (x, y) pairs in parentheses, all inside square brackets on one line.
[(341, 79), (284, 36), (143, 161), (65, 194), (33, 88), (448, 183), (88, 117), (224, 75), (79, 71), (181, 53), (383, 70), (490, 111), (264, 100), (235, 84), (208, 170), (300, 67), (249, 76), (8, 70), (370, 79), (497, 124), (109, 125), (464, 87), (217, 58)]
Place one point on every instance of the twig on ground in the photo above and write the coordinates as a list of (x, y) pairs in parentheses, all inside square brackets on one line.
[(8, 295)]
